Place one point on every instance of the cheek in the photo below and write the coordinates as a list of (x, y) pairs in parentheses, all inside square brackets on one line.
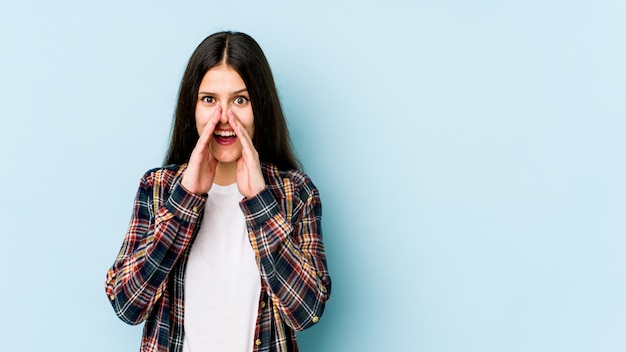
[(199, 125), (248, 123), (202, 117), (250, 129)]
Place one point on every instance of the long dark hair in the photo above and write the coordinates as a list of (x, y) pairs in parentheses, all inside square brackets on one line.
[(244, 55)]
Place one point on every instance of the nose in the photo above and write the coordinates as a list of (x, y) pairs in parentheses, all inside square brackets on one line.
[(223, 116)]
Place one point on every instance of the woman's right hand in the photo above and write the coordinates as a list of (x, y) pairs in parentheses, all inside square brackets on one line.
[(200, 172)]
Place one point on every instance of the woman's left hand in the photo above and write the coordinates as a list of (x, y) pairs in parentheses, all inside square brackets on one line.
[(249, 176)]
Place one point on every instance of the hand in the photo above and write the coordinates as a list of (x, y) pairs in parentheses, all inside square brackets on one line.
[(200, 172), (249, 176)]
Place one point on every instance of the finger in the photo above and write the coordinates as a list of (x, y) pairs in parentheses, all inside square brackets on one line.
[(240, 166), (212, 162), (234, 121), (207, 131), (245, 140)]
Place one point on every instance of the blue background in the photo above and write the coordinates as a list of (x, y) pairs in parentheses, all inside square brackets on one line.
[(470, 156)]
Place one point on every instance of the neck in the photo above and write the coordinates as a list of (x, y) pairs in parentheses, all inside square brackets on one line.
[(225, 174)]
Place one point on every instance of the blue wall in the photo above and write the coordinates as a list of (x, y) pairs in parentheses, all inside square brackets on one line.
[(470, 155)]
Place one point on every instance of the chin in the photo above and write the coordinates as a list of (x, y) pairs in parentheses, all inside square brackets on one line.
[(227, 158), (226, 154)]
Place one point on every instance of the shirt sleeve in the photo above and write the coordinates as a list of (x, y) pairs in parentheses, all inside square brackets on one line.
[(291, 253), (160, 230)]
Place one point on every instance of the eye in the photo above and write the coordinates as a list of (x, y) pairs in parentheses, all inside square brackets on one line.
[(208, 99), (241, 100)]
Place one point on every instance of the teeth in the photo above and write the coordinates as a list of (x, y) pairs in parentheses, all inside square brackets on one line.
[(225, 133)]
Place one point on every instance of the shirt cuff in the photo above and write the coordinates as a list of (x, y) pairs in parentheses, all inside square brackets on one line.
[(185, 205), (260, 208)]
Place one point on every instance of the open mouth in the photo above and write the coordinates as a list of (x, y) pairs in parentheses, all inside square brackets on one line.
[(224, 133), (224, 137)]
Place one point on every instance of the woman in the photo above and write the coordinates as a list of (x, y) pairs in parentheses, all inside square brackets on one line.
[(224, 249)]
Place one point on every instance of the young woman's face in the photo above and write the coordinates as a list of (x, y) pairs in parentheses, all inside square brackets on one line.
[(222, 86)]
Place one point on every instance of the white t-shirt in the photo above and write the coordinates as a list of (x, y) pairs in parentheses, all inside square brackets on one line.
[(222, 281)]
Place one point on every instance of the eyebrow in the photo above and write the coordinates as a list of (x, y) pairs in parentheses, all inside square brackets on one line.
[(233, 93)]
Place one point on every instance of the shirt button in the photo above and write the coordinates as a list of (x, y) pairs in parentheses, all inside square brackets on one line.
[(263, 304), (112, 297), (194, 209), (315, 319), (258, 342)]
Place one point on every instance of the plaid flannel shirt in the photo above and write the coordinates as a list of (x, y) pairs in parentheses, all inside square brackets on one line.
[(146, 281)]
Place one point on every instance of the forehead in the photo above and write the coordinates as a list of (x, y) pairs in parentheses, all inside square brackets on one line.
[(222, 78)]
